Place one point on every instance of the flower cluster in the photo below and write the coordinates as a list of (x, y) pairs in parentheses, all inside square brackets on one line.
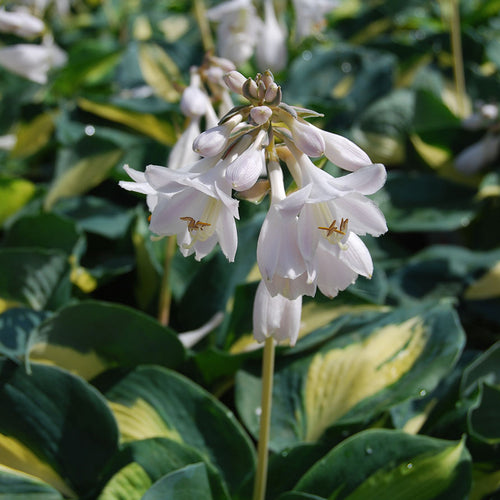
[(310, 237), (241, 32)]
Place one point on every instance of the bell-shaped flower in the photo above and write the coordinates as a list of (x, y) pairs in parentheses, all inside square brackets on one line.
[(276, 316), (32, 61), (198, 208), (139, 184), (309, 15), (194, 100), (237, 29), (279, 257), (20, 23), (271, 52)]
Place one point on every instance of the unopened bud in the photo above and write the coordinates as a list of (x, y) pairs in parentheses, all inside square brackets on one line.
[(271, 93), (235, 80), (211, 142), (268, 78), (194, 102), (250, 90), (306, 137), (260, 114), (261, 90)]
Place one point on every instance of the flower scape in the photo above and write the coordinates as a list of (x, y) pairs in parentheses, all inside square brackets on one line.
[(310, 237)]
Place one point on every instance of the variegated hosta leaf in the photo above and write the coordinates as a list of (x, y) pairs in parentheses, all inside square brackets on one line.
[(155, 402), (391, 464), (356, 375)]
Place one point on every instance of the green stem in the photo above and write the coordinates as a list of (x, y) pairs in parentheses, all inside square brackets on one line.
[(165, 291), (259, 491), (202, 20), (458, 62)]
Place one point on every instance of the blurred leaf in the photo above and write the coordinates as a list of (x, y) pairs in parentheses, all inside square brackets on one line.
[(54, 426), (34, 277), (483, 419), (96, 215), (425, 202), (381, 464), (15, 485), (487, 286), (81, 177), (441, 271), (90, 337), (354, 376), (33, 136), (159, 71), (155, 402), (14, 194), (45, 230), (145, 123), (186, 483)]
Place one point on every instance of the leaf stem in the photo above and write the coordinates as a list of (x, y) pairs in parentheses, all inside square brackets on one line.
[(165, 290), (259, 491)]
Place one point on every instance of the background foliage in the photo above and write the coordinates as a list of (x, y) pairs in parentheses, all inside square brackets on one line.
[(393, 390)]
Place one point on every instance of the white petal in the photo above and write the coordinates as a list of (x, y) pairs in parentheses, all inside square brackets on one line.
[(365, 180), (343, 152), (357, 256), (182, 153)]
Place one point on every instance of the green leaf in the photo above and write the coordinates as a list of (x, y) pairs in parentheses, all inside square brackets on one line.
[(355, 376), (155, 402), (184, 484), (90, 337), (54, 426), (381, 464), (15, 485), (45, 230), (87, 173), (16, 328), (160, 456), (129, 483), (96, 215), (33, 136), (33, 277), (14, 194), (483, 419), (425, 202), (145, 123)]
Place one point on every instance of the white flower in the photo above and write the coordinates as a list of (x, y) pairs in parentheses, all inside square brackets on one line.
[(271, 52), (237, 29), (20, 23), (309, 15), (198, 208), (7, 142), (213, 141), (32, 61), (276, 316)]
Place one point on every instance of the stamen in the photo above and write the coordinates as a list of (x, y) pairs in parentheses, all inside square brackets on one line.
[(334, 229), (194, 225)]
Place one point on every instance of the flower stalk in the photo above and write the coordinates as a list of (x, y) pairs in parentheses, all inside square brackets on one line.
[(259, 490)]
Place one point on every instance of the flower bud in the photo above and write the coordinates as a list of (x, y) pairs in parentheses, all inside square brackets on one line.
[(235, 80), (344, 153), (250, 89), (271, 93), (260, 114), (194, 102), (212, 141), (306, 137), (276, 316)]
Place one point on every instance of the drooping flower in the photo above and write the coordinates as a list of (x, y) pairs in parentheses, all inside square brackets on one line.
[(310, 14), (197, 207), (32, 61), (271, 51), (276, 316), (21, 23)]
